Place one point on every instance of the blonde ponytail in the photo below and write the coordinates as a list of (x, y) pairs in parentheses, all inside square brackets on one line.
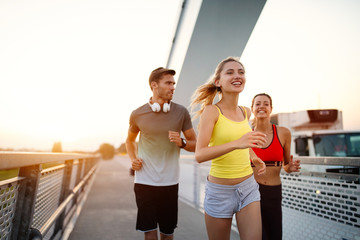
[(204, 95)]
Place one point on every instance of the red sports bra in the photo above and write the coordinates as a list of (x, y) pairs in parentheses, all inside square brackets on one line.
[(274, 152)]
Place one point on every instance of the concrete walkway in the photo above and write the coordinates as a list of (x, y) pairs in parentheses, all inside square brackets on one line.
[(110, 210)]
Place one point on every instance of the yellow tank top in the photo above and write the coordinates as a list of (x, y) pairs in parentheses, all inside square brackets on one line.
[(235, 164)]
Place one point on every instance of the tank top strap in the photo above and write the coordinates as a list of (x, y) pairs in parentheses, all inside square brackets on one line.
[(218, 108), (243, 109)]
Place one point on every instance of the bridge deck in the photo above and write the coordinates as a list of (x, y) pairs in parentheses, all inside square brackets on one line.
[(110, 210)]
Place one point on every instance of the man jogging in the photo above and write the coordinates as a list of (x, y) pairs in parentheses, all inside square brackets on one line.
[(160, 123)]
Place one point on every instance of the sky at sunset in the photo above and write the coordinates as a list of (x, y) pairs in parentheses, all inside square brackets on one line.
[(72, 71)]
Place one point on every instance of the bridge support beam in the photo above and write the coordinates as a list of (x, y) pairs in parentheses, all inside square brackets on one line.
[(221, 28)]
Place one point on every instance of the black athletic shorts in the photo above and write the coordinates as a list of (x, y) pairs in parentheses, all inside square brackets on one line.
[(157, 206)]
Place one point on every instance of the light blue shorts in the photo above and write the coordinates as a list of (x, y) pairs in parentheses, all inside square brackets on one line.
[(222, 201)]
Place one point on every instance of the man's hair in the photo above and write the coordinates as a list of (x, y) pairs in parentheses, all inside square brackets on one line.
[(158, 73)]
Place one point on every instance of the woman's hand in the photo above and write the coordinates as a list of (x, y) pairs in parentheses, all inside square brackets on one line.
[(259, 165), (293, 166), (252, 140)]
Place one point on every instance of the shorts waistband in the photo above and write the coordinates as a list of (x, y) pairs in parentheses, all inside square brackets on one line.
[(243, 184)]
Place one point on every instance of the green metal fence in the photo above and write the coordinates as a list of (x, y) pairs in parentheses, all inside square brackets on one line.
[(39, 192)]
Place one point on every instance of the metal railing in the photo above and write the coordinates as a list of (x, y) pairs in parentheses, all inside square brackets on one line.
[(42, 198), (318, 203)]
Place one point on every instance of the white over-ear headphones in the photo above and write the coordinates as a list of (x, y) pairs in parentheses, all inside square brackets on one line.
[(156, 107)]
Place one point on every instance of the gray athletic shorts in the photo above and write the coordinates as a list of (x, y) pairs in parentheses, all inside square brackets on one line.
[(222, 201)]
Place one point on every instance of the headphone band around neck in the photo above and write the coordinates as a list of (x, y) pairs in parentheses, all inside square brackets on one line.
[(155, 107)]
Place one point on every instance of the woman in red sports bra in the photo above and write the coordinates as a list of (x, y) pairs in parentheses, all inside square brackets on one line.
[(275, 154)]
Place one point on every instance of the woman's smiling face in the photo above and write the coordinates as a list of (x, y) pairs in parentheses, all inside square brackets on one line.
[(261, 106), (232, 77)]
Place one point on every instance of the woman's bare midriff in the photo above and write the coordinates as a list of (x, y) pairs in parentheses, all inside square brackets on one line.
[(271, 177), (227, 181)]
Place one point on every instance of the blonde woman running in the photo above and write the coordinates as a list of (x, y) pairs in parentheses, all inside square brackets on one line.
[(225, 138)]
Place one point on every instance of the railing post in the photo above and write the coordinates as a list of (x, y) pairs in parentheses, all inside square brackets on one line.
[(65, 191), (78, 178), (86, 166), (196, 184), (26, 202), (79, 171)]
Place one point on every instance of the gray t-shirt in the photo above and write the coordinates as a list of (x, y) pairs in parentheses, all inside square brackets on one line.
[(160, 156)]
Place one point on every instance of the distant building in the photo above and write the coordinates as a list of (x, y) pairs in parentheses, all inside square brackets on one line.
[(309, 120), (319, 133)]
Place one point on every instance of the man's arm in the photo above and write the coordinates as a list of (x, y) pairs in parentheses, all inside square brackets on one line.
[(190, 136), (136, 163)]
